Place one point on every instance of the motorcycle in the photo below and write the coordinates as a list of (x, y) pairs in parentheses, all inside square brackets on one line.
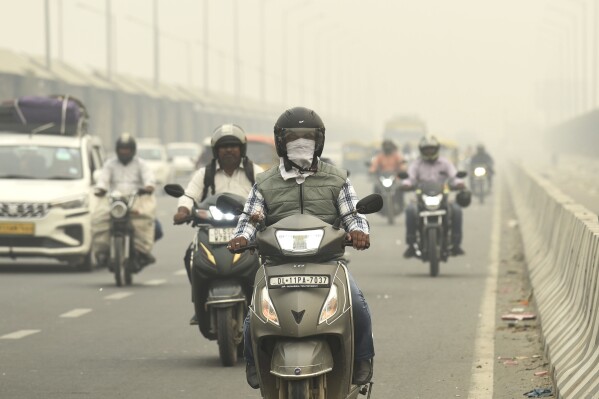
[(480, 181), (221, 281), (301, 319), (387, 186), (123, 257), (433, 235)]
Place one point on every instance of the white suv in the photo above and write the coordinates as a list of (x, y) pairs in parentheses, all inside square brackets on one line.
[(46, 196)]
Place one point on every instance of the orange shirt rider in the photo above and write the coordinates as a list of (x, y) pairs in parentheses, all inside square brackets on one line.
[(388, 163)]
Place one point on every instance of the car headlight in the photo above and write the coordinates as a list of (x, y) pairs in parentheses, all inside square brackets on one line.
[(73, 203), (432, 202), (118, 209), (304, 241), (330, 305), (268, 310), (218, 215), (386, 182), (480, 171)]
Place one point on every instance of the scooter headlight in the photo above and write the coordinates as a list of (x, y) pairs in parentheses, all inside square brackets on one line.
[(432, 202), (480, 171), (118, 209), (330, 305), (268, 310), (301, 242), (386, 182), (218, 215)]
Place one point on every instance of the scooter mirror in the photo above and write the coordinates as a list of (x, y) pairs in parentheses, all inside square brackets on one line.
[(370, 204), (227, 204), (174, 190), (403, 175), (461, 174)]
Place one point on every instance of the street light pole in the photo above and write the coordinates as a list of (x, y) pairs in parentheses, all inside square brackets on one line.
[(156, 46), (205, 37), (108, 40), (262, 53), (237, 77), (47, 22)]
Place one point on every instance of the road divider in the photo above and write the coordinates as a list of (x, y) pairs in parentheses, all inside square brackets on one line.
[(561, 241)]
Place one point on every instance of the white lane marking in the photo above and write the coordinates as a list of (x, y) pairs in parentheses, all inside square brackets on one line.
[(19, 334), (118, 295), (75, 313), (481, 385), (155, 282), (180, 273)]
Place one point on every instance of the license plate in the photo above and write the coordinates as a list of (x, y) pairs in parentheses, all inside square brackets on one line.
[(17, 229), (220, 235), (299, 281)]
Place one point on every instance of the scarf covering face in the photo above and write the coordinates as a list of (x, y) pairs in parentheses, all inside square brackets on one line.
[(301, 152)]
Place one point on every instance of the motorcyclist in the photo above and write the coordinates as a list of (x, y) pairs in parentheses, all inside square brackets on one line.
[(128, 174), (327, 194), (429, 166), (229, 171), (482, 157), (389, 160)]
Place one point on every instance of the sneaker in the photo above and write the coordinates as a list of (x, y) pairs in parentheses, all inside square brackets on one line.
[(252, 376), (410, 252), (362, 372), (456, 251), (194, 320)]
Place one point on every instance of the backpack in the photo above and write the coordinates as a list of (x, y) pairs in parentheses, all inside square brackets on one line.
[(248, 167)]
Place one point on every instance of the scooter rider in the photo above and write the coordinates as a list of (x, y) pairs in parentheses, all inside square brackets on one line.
[(299, 139), (230, 171), (431, 167), (389, 160), (127, 173)]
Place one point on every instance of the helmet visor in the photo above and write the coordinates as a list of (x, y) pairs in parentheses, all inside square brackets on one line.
[(429, 151), (302, 133)]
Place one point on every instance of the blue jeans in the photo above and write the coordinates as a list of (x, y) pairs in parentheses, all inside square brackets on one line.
[(412, 224), (364, 344)]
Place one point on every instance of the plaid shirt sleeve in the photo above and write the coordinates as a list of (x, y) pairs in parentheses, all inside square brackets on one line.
[(346, 203), (254, 204)]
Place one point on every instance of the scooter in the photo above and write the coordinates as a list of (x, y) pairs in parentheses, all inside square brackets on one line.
[(301, 318), (387, 186), (480, 182), (221, 281)]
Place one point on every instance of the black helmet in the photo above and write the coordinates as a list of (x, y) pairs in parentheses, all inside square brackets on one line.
[(126, 140), (429, 148), (302, 122), (463, 198), (228, 134)]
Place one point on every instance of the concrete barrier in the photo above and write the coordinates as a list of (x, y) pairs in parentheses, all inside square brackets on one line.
[(561, 240)]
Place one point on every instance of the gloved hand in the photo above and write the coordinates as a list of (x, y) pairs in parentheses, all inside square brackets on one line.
[(359, 239), (182, 215)]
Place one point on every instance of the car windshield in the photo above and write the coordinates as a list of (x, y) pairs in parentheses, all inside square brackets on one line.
[(150, 154), (40, 162), (182, 152), (261, 153)]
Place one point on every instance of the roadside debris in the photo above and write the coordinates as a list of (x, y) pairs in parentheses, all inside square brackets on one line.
[(541, 373), (518, 316), (539, 393)]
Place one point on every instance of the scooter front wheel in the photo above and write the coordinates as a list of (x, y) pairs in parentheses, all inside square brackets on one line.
[(433, 252), (298, 389), (119, 260), (227, 348)]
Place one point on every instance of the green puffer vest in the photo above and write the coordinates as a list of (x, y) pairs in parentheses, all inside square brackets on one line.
[(316, 196)]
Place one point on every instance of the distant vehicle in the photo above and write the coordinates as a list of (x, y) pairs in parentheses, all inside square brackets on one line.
[(356, 155), (183, 156), (262, 151), (154, 154), (405, 129), (46, 177)]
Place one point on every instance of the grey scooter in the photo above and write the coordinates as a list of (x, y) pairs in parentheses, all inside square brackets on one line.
[(301, 319)]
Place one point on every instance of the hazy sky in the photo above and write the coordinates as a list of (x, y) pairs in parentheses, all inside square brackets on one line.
[(461, 64)]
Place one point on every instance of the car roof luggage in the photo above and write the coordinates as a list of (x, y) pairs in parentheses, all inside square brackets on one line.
[(58, 114)]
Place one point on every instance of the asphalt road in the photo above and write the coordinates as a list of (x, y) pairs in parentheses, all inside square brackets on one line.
[(66, 334)]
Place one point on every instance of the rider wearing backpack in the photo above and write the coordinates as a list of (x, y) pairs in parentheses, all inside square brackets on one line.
[(230, 171)]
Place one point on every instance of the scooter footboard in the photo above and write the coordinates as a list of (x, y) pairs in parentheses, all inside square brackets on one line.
[(301, 358)]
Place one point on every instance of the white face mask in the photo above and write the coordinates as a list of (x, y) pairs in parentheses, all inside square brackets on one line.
[(301, 152)]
